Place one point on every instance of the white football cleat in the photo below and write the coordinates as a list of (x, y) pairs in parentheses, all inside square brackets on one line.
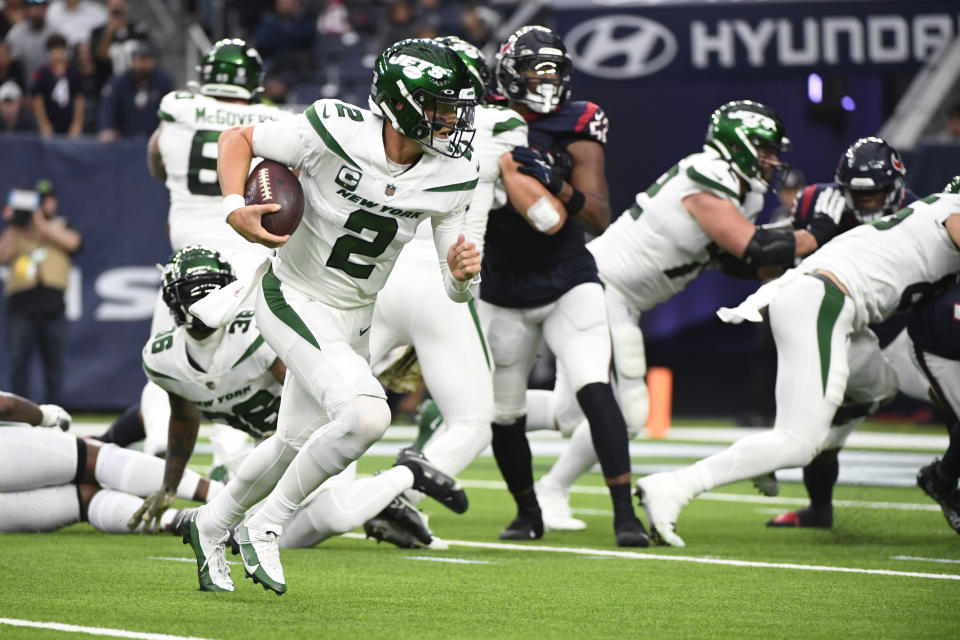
[(260, 553), (555, 507), (663, 500)]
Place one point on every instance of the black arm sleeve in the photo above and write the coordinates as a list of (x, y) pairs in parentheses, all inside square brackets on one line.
[(770, 247), (734, 267), (822, 228)]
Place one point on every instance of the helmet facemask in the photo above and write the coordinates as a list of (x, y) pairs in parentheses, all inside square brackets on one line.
[(191, 274), (533, 68), (751, 138)]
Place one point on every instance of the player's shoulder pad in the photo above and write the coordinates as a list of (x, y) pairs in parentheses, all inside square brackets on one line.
[(176, 105), (504, 119), (157, 355), (805, 202), (713, 174), (583, 120)]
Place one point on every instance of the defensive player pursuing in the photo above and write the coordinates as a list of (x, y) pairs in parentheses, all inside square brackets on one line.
[(705, 203), (856, 279), (869, 184), (183, 152), (369, 178), (539, 280), (228, 375), (49, 479)]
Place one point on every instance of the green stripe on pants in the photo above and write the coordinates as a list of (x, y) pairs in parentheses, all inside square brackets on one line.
[(830, 309), (278, 305)]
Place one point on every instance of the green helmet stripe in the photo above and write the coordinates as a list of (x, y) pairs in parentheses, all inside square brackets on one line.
[(326, 136)]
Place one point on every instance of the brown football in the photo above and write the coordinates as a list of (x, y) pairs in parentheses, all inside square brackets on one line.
[(271, 182)]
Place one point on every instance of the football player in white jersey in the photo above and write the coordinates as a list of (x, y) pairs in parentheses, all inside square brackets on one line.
[(49, 479), (705, 203), (183, 152), (228, 375), (412, 309), (369, 179), (816, 310)]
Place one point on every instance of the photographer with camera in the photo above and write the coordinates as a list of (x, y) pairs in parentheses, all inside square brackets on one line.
[(36, 244)]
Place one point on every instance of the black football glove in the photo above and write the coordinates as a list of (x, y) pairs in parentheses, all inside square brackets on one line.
[(533, 164)]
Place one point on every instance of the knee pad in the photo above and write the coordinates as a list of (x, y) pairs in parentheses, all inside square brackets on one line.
[(635, 404), (629, 353), (506, 340)]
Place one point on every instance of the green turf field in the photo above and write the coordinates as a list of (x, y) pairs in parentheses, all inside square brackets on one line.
[(882, 572)]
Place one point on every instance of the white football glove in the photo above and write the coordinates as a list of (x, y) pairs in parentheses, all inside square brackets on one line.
[(831, 202), (54, 416)]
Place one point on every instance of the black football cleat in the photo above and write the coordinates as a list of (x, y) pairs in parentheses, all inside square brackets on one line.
[(401, 524), (944, 492), (433, 482), (526, 526), (631, 533), (804, 518)]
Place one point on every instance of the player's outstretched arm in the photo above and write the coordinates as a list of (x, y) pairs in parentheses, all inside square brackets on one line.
[(181, 439), (234, 153), (529, 197)]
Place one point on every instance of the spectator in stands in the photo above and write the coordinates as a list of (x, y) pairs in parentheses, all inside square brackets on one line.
[(11, 13), (953, 122), (478, 23), (57, 92), (37, 245), (285, 36), (87, 68), (128, 106), (11, 69), (75, 20), (398, 24), (274, 90), (113, 43), (28, 38), (443, 17), (13, 117)]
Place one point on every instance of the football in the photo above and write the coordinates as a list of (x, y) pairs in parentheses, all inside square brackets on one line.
[(271, 182)]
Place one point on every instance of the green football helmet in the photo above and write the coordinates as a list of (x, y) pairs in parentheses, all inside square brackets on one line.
[(953, 186), (191, 274), (738, 130), (426, 92), (473, 58), (231, 69)]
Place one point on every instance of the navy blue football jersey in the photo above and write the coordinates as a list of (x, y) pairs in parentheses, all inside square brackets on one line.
[(934, 326), (823, 227), (522, 267)]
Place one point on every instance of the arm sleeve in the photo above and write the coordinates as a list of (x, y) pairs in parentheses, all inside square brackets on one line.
[(445, 231)]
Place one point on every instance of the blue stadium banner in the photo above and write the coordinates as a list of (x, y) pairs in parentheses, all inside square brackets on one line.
[(108, 196), (634, 40)]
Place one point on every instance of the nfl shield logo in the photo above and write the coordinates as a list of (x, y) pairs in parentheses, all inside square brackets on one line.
[(390, 190), (210, 385)]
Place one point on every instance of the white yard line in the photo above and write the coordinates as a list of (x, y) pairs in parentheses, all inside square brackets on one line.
[(94, 631), (635, 555), (450, 560), (190, 560), (919, 559), (725, 497)]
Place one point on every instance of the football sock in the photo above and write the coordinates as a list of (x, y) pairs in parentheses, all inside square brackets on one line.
[(110, 511), (137, 473), (32, 457), (45, 509), (540, 413), (355, 426), (622, 506), (126, 429), (155, 409), (512, 453), (257, 475), (819, 477), (455, 446), (949, 465), (608, 429), (576, 459), (339, 509)]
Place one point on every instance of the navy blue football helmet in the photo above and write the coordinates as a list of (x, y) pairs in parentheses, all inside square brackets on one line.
[(871, 177)]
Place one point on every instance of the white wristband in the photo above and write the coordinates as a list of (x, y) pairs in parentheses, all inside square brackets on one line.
[(231, 203), (542, 214)]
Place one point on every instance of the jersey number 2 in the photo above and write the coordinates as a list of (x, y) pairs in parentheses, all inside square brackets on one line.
[(385, 228)]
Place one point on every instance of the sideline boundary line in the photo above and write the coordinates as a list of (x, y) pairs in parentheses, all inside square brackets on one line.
[(94, 631)]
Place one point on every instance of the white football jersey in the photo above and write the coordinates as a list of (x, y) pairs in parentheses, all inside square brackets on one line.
[(191, 126), (357, 214), (238, 388), (889, 264), (499, 130), (656, 247)]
